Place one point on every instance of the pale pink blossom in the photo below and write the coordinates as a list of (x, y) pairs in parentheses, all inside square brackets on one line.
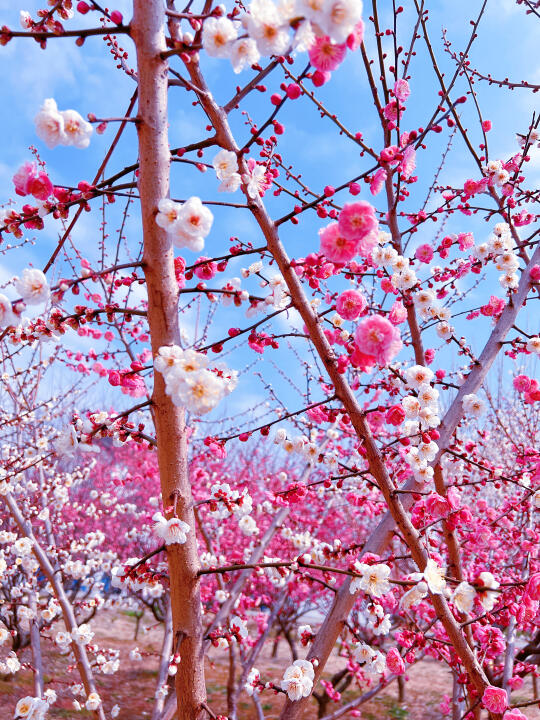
[(408, 163), (377, 181), (29, 180), (351, 304), (50, 124), (32, 287), (7, 316), (358, 219), (394, 662), (326, 56), (77, 131), (402, 90), (424, 253), (398, 313), (336, 246), (376, 336), (495, 699), (355, 39)]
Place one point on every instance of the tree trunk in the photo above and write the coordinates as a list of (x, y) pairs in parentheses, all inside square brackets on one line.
[(158, 260)]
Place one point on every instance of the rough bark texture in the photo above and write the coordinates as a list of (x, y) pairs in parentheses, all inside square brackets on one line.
[(148, 35)]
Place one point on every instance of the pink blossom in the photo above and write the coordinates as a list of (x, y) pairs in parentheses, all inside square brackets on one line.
[(535, 273), (387, 287), (390, 154), (495, 699), (317, 414), (376, 336), (494, 308), (394, 662), (398, 313), (114, 378), (358, 220), (395, 415), (325, 56), (22, 177), (376, 420), (362, 361), (28, 180), (514, 714), (336, 246), (320, 78), (424, 253), (465, 240), (445, 705), (408, 164), (133, 385), (522, 383), (437, 506), (402, 90), (377, 181), (391, 111), (533, 586), (523, 218), (470, 187), (355, 38), (179, 268), (454, 498), (207, 270), (351, 304)]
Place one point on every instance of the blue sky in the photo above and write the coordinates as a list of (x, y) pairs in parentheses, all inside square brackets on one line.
[(86, 79)]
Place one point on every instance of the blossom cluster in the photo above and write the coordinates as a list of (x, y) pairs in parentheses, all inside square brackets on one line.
[(188, 223), (500, 250), (355, 233), (265, 30), (298, 679), (32, 288), (65, 127), (191, 382)]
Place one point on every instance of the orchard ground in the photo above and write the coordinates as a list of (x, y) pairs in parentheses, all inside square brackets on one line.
[(427, 681)]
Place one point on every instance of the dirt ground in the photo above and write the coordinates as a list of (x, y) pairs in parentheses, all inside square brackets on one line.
[(133, 686)]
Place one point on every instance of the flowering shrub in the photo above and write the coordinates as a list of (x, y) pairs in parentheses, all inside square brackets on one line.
[(310, 429)]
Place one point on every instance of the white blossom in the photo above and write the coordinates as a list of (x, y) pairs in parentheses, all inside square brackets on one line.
[(298, 679), (225, 163), (487, 597), (217, 36), (7, 316), (77, 131), (173, 531), (533, 345), (93, 701), (248, 526), (50, 124), (66, 443), (463, 597), (188, 381), (339, 18), (434, 577), (167, 213), (473, 406), (32, 287), (267, 27), (373, 579), (415, 595), (243, 53)]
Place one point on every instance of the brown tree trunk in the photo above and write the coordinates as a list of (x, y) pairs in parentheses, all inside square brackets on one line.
[(154, 158)]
